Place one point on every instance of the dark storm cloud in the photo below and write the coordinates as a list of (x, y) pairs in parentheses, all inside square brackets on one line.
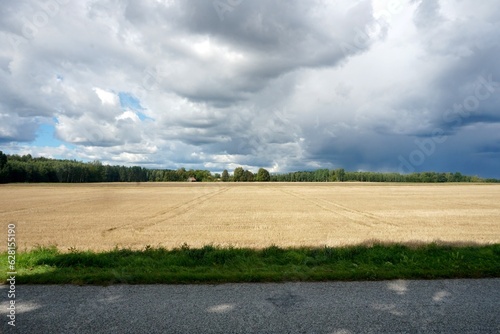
[(271, 39)]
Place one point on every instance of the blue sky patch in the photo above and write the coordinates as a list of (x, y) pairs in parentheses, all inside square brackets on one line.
[(45, 136), (129, 101)]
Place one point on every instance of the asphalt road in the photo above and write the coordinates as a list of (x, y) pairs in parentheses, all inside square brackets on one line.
[(440, 306)]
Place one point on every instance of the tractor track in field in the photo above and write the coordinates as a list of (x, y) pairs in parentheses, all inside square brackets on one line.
[(359, 217), (358, 212), (167, 214), (44, 208)]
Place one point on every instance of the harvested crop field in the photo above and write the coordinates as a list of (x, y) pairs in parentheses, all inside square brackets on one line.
[(105, 216)]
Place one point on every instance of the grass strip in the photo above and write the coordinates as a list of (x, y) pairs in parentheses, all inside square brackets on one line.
[(209, 264)]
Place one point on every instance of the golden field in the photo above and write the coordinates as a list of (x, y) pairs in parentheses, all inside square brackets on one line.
[(105, 216)]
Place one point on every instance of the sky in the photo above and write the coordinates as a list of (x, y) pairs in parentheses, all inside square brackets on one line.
[(382, 85)]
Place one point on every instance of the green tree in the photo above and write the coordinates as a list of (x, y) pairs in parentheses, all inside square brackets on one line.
[(3, 168), (458, 177), (340, 174), (3, 160), (263, 175), (182, 174), (247, 176), (96, 171), (441, 177), (238, 174), (321, 175), (225, 175), (203, 175)]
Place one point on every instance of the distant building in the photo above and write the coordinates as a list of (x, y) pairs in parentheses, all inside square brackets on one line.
[(191, 179)]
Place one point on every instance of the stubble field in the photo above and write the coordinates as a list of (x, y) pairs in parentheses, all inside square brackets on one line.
[(105, 216)]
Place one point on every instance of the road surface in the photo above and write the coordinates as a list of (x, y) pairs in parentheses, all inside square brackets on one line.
[(438, 306)]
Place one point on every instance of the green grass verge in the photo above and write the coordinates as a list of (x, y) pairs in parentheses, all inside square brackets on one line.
[(273, 264)]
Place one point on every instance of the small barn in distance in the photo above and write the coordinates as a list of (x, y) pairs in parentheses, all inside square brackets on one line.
[(191, 179)]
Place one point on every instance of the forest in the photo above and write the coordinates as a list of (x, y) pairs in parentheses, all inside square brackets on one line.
[(27, 169)]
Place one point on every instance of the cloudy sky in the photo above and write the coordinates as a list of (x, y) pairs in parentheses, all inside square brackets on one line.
[(382, 85)]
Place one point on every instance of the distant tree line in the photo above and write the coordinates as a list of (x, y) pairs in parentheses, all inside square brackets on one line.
[(340, 175), (15, 168)]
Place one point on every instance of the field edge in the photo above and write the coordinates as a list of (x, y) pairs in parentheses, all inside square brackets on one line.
[(214, 264)]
